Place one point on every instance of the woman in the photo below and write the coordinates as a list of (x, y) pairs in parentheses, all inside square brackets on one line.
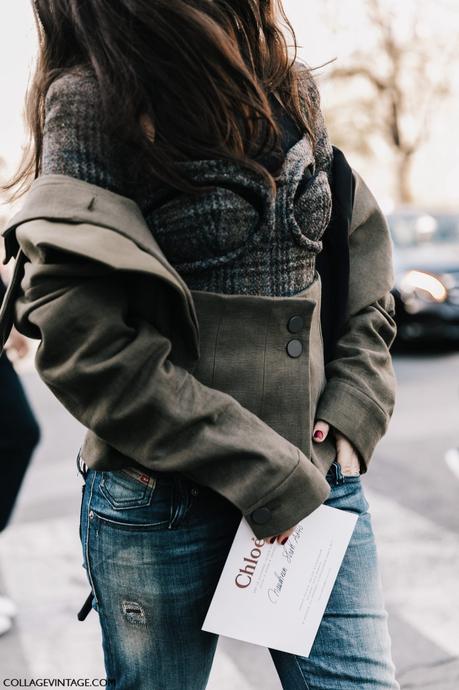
[(194, 111)]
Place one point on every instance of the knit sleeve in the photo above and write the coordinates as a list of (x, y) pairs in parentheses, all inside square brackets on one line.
[(74, 140)]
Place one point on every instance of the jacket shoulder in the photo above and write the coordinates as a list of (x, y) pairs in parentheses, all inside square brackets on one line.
[(82, 219), (365, 205), (64, 212)]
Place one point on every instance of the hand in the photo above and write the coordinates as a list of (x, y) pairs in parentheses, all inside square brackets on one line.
[(346, 455), (281, 538), (18, 343)]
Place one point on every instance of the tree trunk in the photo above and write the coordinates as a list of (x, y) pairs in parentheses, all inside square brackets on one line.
[(404, 167)]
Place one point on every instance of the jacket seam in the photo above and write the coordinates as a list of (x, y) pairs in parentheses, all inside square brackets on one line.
[(217, 336), (357, 392), (274, 489), (262, 397)]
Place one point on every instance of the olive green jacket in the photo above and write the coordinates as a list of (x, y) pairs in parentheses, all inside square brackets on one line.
[(121, 341)]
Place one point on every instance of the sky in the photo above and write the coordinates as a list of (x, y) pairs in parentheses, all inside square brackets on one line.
[(17, 52), (437, 171)]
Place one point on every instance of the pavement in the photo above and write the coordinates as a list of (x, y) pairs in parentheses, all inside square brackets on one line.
[(412, 493)]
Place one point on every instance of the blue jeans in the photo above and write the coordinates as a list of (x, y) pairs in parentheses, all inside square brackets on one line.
[(153, 550)]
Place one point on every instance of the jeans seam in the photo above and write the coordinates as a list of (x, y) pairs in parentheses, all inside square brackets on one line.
[(134, 525), (86, 546), (306, 684), (109, 648), (181, 499), (175, 506), (80, 531)]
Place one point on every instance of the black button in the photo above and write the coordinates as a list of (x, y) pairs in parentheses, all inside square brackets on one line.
[(295, 324), (294, 348), (261, 515)]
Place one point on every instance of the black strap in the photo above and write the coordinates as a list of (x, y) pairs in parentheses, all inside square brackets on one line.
[(86, 608), (333, 260)]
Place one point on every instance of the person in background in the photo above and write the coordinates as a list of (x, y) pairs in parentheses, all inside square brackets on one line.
[(19, 436)]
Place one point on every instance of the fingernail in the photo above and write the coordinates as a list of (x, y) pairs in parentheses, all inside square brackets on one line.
[(284, 540), (318, 435), (272, 540)]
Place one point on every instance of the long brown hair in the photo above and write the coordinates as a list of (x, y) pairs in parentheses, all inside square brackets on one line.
[(179, 79)]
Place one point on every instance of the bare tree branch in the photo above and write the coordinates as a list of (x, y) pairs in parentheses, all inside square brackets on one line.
[(408, 90), (360, 71)]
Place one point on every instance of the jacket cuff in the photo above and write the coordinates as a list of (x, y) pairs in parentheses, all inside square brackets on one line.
[(298, 495), (355, 415)]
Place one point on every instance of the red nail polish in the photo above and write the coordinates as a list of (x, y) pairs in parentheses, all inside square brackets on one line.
[(272, 540), (284, 541), (319, 435)]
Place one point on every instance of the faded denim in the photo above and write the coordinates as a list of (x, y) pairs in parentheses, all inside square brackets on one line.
[(153, 550)]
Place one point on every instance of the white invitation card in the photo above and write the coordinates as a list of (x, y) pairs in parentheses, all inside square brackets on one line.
[(274, 595)]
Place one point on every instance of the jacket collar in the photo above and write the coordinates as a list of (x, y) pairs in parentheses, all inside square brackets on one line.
[(111, 229), (61, 197)]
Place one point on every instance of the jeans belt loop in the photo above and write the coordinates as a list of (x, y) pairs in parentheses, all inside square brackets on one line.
[(338, 473), (82, 467)]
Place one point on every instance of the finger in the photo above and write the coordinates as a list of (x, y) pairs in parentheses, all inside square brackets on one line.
[(320, 432), (23, 349), (281, 538), (344, 451), (346, 456), (271, 540)]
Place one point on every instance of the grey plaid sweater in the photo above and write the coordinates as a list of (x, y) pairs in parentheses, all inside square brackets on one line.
[(224, 242)]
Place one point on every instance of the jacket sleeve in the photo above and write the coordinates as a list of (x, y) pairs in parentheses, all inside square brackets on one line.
[(112, 371), (359, 397)]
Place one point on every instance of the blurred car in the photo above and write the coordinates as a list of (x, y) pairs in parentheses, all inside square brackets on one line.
[(426, 255)]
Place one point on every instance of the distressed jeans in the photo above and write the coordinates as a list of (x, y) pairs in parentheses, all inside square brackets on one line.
[(153, 550)]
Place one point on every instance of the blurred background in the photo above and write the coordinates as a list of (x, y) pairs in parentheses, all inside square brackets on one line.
[(389, 78)]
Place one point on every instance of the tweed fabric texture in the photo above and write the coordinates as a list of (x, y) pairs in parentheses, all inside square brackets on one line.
[(239, 238), (202, 431)]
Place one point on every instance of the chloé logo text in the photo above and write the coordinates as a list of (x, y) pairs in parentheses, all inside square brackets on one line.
[(245, 574)]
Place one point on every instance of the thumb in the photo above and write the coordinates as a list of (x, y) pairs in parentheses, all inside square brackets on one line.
[(320, 432)]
